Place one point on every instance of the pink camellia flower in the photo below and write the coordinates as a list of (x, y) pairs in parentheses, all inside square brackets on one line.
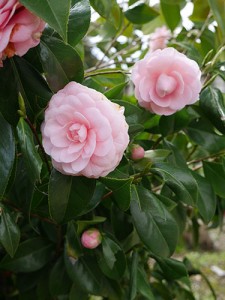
[(20, 30), (166, 81), (137, 152), (159, 38), (84, 132), (91, 238)]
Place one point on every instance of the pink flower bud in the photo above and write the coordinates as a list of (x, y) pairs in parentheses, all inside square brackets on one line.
[(91, 238), (137, 152)]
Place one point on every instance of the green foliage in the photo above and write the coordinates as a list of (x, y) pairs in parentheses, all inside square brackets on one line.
[(141, 209)]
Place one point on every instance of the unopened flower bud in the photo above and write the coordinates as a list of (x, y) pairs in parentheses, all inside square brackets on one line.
[(137, 152), (91, 238)]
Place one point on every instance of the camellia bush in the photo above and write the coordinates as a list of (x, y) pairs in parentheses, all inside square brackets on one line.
[(112, 145)]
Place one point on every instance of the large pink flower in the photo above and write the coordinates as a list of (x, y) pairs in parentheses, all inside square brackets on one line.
[(84, 132), (20, 30), (166, 81)]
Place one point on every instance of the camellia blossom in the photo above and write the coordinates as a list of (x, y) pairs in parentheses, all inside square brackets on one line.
[(83, 132), (159, 38), (137, 152), (166, 81), (20, 30), (91, 238)]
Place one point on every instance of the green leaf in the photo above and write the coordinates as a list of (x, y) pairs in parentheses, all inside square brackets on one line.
[(153, 222), (8, 93), (32, 86), (121, 189), (172, 269), (202, 133), (31, 157), (113, 261), (69, 196), (133, 276), (115, 91), (201, 11), (157, 155), (218, 9), (134, 116), (180, 181), (140, 14), (85, 273), (61, 63), (171, 12), (170, 124), (51, 11), (30, 256), (78, 294), (59, 282), (143, 284), (215, 174), (7, 154), (211, 102), (109, 10), (206, 202), (9, 232), (79, 21)]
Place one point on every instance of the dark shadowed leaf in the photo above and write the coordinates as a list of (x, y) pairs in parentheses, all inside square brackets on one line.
[(9, 232), (153, 222), (30, 256), (61, 63), (180, 180), (7, 154), (32, 159)]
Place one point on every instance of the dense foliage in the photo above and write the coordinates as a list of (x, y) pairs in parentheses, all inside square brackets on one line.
[(142, 208)]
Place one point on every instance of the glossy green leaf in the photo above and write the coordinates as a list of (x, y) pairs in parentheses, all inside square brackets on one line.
[(61, 63), (120, 189), (115, 91), (171, 268), (206, 202), (85, 273), (109, 10), (31, 157), (59, 281), (218, 9), (73, 245), (7, 154), (9, 232), (69, 196), (215, 174), (140, 14), (180, 180), (79, 21), (211, 102), (8, 93), (133, 276), (153, 222), (171, 13), (32, 86), (202, 133), (143, 284), (30, 256), (51, 11), (174, 123), (157, 155), (113, 261)]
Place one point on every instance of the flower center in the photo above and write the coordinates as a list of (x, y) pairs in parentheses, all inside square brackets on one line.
[(165, 85), (77, 133)]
